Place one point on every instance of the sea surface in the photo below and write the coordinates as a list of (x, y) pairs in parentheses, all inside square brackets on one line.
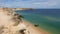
[(47, 19)]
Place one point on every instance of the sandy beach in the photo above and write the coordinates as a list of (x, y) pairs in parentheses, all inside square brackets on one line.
[(9, 28)]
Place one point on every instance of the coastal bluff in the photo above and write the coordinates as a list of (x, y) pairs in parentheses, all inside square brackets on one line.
[(11, 23), (14, 9)]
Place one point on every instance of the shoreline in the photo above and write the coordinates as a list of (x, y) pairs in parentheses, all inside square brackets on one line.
[(10, 29), (34, 29)]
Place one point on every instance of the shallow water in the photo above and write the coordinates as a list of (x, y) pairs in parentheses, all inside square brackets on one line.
[(47, 19)]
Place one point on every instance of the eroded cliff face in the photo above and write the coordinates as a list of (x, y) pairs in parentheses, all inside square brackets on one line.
[(8, 20)]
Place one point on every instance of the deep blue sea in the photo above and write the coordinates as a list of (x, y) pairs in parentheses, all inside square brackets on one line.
[(48, 19)]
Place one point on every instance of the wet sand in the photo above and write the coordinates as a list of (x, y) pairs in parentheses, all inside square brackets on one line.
[(34, 30)]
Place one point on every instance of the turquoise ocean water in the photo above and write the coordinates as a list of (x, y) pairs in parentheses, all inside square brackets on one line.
[(48, 19)]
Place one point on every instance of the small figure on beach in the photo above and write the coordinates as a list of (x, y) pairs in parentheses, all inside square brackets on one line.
[(36, 25)]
